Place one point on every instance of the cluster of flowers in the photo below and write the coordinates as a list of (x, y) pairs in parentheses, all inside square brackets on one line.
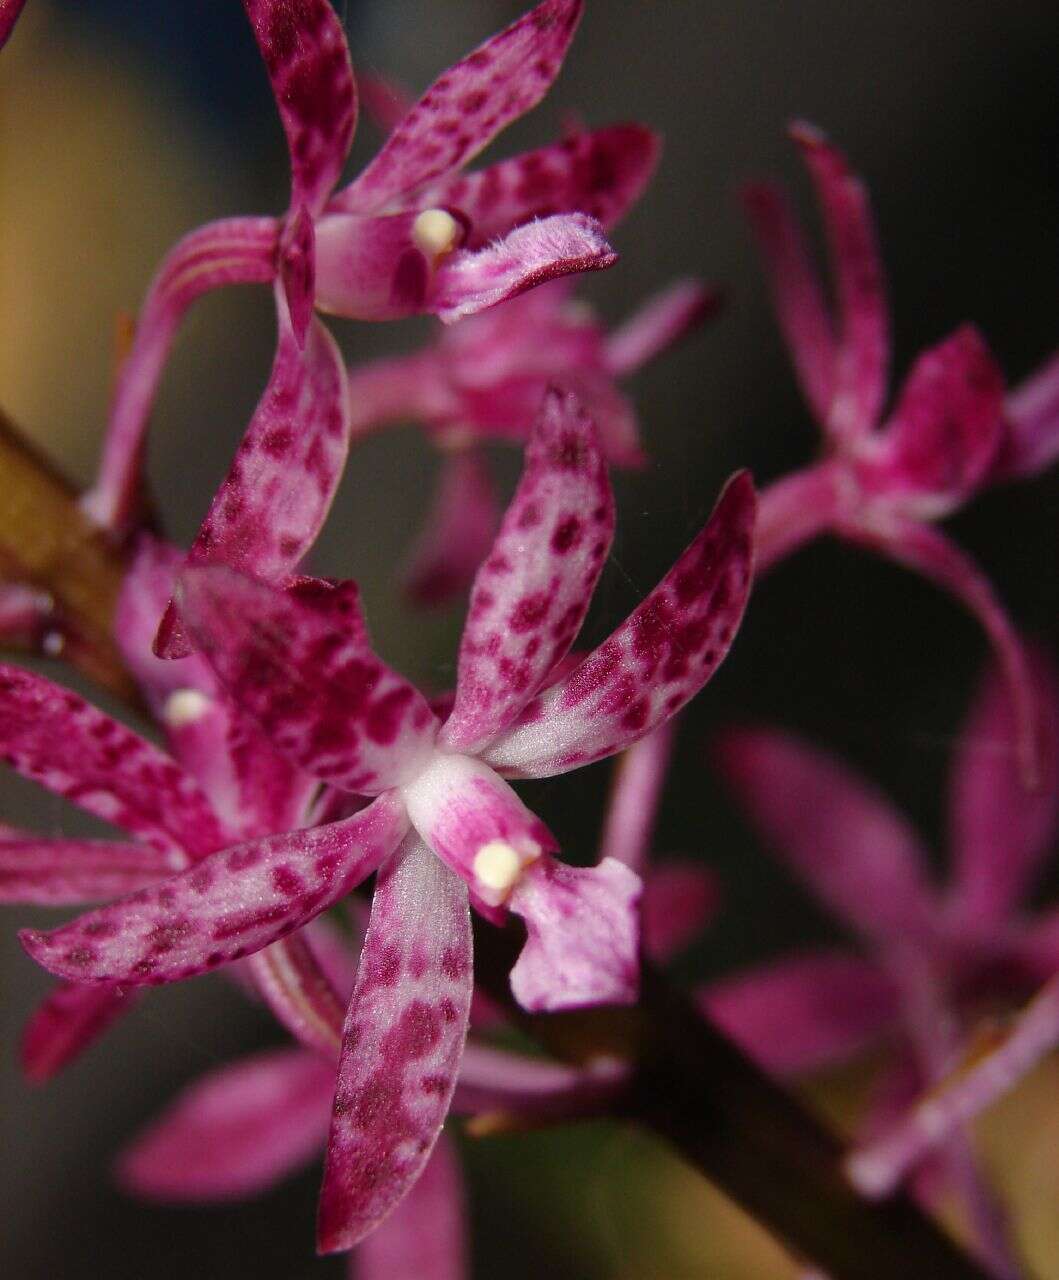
[(297, 764)]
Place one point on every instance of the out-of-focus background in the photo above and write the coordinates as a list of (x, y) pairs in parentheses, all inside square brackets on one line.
[(125, 122)]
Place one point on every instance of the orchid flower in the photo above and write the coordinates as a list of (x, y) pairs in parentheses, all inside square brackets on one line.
[(444, 826), (485, 378), (407, 235), (930, 958), (884, 482)]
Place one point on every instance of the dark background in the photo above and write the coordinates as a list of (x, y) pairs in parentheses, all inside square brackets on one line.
[(947, 109)]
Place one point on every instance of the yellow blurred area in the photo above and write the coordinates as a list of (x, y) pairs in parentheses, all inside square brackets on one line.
[(97, 180)]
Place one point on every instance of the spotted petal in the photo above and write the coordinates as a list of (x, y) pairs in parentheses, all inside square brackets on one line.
[(233, 251), (58, 872), (233, 1133), (533, 591), (70, 1019), (402, 1043), (231, 904), (307, 59), (468, 106), (601, 173), (274, 500), (657, 660), (54, 737), (310, 679)]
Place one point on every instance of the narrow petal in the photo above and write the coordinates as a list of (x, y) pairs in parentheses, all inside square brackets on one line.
[(582, 936), (402, 1043), (55, 738), (944, 433), (60, 872), (233, 1133), (9, 11), (531, 594), (931, 554), (657, 660), (639, 776), (426, 1234), (660, 324), (679, 900), (410, 388), (234, 251), (299, 991), (231, 904), (796, 294), (307, 59), (795, 509), (840, 836), (532, 254), (1032, 413), (999, 831), (863, 357), (457, 532), (466, 107), (602, 172), (804, 1012), (310, 679), (496, 1080), (385, 101), (879, 1166), (274, 500), (65, 1023)]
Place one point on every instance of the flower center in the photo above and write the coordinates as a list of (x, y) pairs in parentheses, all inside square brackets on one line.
[(184, 707), (498, 865), (436, 232)]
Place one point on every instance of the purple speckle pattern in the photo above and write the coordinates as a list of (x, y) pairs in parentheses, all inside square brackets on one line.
[(307, 59), (309, 679), (582, 936), (661, 656), (467, 106), (601, 173), (402, 1043), (61, 872), (231, 904), (55, 738), (532, 592)]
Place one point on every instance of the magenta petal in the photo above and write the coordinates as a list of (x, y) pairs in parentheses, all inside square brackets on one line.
[(805, 1012), (54, 737), (498, 1080), (639, 776), (65, 1023), (678, 902), (796, 508), (467, 106), (310, 679), (233, 1133), (660, 324), (233, 903), (582, 944), (234, 251), (410, 388), (533, 591), (402, 1043), (657, 660), (796, 294), (457, 533), (943, 436), (1032, 413), (9, 11), (839, 835), (372, 267), (274, 500), (999, 831), (863, 357), (59, 872), (601, 173), (425, 1234), (531, 255), (299, 991), (305, 52)]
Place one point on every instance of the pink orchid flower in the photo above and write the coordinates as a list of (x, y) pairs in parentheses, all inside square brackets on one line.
[(951, 432), (932, 960), (407, 235), (444, 827)]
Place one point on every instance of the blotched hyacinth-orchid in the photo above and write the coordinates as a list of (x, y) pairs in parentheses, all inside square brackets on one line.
[(444, 825), (952, 431), (409, 234), (935, 961)]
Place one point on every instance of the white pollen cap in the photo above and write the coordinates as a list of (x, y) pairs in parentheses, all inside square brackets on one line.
[(435, 231), (185, 706), (497, 865)]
